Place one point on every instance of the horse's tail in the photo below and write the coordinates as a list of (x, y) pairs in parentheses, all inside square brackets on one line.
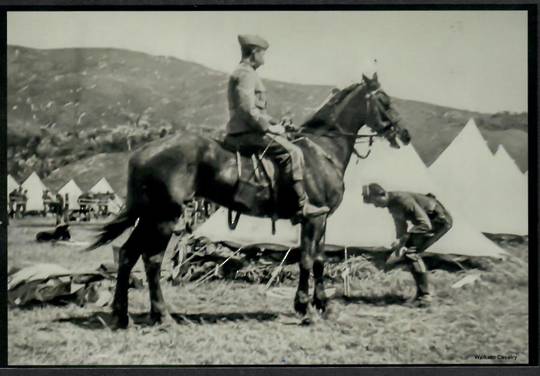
[(113, 229)]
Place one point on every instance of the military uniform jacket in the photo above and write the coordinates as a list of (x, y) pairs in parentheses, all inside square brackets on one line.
[(417, 208), (247, 102)]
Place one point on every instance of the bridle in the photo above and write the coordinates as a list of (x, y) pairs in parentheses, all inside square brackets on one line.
[(374, 103)]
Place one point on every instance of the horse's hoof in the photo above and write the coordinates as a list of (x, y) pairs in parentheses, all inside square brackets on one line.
[(163, 320), (323, 309), (119, 322), (301, 302), (320, 304), (300, 308), (310, 318)]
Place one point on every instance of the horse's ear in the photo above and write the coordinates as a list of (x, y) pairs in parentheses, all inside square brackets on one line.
[(375, 77), (365, 79)]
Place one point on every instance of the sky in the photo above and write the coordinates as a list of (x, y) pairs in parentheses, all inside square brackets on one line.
[(475, 60)]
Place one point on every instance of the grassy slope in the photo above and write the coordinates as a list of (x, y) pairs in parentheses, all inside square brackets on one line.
[(113, 87), (87, 172), (226, 322)]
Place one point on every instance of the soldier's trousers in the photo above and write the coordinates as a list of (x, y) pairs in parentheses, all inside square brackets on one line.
[(421, 242), (287, 154)]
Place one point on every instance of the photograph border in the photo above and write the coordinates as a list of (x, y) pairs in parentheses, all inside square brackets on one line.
[(117, 5)]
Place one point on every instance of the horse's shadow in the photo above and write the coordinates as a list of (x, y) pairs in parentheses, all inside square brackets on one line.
[(103, 320), (376, 300)]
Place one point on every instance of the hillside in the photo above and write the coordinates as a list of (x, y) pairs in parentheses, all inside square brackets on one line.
[(434, 127), (65, 105), (80, 88), (88, 171)]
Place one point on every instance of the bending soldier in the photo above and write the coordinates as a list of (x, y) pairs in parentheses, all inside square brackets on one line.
[(430, 221), (250, 127)]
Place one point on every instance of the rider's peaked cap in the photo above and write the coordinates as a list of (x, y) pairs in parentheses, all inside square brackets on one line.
[(253, 40)]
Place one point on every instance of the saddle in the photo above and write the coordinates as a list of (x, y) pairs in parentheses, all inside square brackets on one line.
[(257, 182)]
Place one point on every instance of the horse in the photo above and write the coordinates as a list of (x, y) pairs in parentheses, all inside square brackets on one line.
[(166, 174)]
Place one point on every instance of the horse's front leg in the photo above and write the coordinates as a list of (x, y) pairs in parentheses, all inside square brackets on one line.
[(319, 296), (320, 299), (301, 300), (312, 232)]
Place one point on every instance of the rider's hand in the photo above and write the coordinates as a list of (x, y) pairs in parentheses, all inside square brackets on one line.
[(286, 120)]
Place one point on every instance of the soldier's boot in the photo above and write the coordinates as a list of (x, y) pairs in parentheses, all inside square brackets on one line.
[(305, 208), (423, 297)]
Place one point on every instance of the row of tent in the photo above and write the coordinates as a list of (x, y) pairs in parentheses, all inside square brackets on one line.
[(485, 193), (482, 191), (35, 188), (490, 188)]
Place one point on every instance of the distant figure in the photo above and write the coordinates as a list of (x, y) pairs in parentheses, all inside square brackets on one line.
[(85, 201), (66, 208), (24, 200), (12, 202), (47, 201), (430, 222), (59, 211), (18, 201)]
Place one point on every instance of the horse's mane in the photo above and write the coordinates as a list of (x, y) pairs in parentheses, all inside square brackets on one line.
[(322, 118)]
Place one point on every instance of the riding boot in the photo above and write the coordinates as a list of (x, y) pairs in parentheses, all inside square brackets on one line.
[(306, 209)]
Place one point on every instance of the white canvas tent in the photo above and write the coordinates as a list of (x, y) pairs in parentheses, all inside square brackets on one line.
[(11, 184), (73, 191), (472, 181), (514, 187), (356, 224), (35, 188), (103, 186), (506, 162)]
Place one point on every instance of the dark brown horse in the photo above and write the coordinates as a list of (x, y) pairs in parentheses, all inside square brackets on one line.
[(163, 175)]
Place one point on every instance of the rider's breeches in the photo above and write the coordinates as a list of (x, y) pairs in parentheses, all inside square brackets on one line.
[(287, 154), (279, 144)]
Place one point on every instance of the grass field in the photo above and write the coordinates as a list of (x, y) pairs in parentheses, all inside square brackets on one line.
[(228, 322)]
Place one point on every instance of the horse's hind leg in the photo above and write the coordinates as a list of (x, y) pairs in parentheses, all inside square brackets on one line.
[(153, 255), (128, 255)]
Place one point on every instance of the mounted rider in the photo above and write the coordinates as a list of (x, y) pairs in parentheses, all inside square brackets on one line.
[(250, 127)]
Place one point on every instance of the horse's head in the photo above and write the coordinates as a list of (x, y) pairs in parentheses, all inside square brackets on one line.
[(359, 104), (381, 117)]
